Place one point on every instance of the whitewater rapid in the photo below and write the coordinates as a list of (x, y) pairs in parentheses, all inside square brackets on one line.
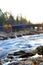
[(27, 42)]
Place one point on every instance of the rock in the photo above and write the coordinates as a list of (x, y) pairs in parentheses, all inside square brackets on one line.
[(12, 36), (35, 62), (3, 38), (40, 50), (19, 35), (26, 55), (0, 62), (10, 56), (19, 53)]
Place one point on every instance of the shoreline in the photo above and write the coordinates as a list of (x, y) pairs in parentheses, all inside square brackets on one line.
[(4, 35), (10, 59)]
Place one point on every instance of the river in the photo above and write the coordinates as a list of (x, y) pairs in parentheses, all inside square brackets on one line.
[(27, 42)]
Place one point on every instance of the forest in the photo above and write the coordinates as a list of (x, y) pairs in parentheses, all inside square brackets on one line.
[(8, 18)]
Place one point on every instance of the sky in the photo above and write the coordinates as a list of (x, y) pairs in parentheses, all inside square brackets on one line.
[(31, 9)]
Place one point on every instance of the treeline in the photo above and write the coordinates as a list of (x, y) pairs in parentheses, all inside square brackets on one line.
[(6, 18)]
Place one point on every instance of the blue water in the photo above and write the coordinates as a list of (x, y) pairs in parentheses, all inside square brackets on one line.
[(27, 42)]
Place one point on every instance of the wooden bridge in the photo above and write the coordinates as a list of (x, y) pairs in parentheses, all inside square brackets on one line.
[(30, 27)]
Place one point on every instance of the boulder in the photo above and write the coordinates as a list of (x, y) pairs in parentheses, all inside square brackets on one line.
[(26, 55), (10, 56), (19, 53)]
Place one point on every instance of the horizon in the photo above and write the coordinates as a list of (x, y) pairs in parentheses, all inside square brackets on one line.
[(30, 9)]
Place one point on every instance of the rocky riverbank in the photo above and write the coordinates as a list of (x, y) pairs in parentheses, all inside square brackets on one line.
[(4, 35), (23, 58)]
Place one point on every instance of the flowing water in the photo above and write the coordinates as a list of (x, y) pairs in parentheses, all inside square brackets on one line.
[(27, 42)]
